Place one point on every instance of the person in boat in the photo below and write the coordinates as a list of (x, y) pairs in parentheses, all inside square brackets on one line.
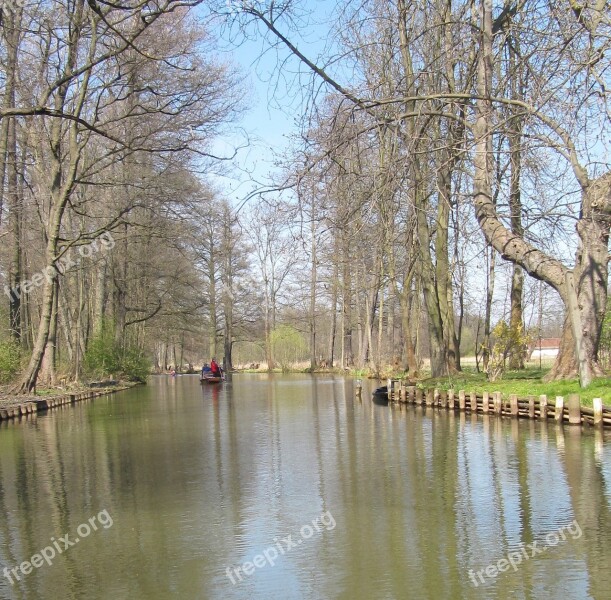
[(206, 370), (216, 370)]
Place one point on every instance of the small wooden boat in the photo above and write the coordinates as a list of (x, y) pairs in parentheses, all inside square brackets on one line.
[(380, 396), (210, 379)]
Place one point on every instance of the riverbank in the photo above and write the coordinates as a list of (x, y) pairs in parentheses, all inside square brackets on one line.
[(528, 382), (14, 406), (522, 383)]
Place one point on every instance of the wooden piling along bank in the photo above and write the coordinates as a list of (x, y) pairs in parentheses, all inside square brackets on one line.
[(43, 404), (533, 407)]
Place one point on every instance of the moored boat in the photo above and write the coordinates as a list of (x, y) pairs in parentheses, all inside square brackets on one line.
[(380, 396)]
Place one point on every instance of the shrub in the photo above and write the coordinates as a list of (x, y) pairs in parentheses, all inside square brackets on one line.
[(288, 346), (104, 356), (134, 364), (508, 342), (10, 360)]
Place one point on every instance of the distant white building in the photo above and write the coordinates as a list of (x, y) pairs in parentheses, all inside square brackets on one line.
[(545, 348)]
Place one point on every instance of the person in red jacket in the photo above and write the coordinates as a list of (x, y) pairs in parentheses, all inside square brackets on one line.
[(216, 370)]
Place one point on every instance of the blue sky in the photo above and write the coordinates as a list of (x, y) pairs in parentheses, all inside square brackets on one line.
[(275, 104), (267, 125)]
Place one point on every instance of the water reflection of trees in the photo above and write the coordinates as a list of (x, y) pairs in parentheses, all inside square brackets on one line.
[(420, 496)]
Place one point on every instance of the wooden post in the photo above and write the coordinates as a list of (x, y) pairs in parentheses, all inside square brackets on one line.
[(486, 402), (411, 394), (531, 407), (461, 400), (436, 397), (451, 400), (473, 398), (513, 405), (597, 404), (429, 397), (420, 396), (559, 409), (443, 399), (574, 410), (543, 406), (389, 388), (498, 403), (402, 391)]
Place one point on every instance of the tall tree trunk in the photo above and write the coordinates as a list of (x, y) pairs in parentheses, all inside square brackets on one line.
[(426, 271), (443, 270), (334, 284), (269, 356), (483, 166), (227, 290), (11, 27), (313, 283), (120, 280), (347, 352), (65, 320), (8, 169), (378, 360), (486, 343), (15, 206), (371, 305), (49, 361), (516, 322), (212, 324), (100, 295), (410, 361)]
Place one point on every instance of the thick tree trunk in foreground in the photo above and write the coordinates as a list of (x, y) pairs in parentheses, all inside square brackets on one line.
[(591, 275), (28, 381), (586, 304)]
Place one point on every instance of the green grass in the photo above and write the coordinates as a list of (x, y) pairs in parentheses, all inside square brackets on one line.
[(523, 383)]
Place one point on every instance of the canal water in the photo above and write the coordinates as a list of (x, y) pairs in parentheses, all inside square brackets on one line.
[(290, 487)]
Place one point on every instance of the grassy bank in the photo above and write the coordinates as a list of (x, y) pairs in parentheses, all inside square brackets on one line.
[(524, 383)]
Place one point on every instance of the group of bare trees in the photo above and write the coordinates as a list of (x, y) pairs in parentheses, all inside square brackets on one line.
[(434, 124), (109, 109)]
